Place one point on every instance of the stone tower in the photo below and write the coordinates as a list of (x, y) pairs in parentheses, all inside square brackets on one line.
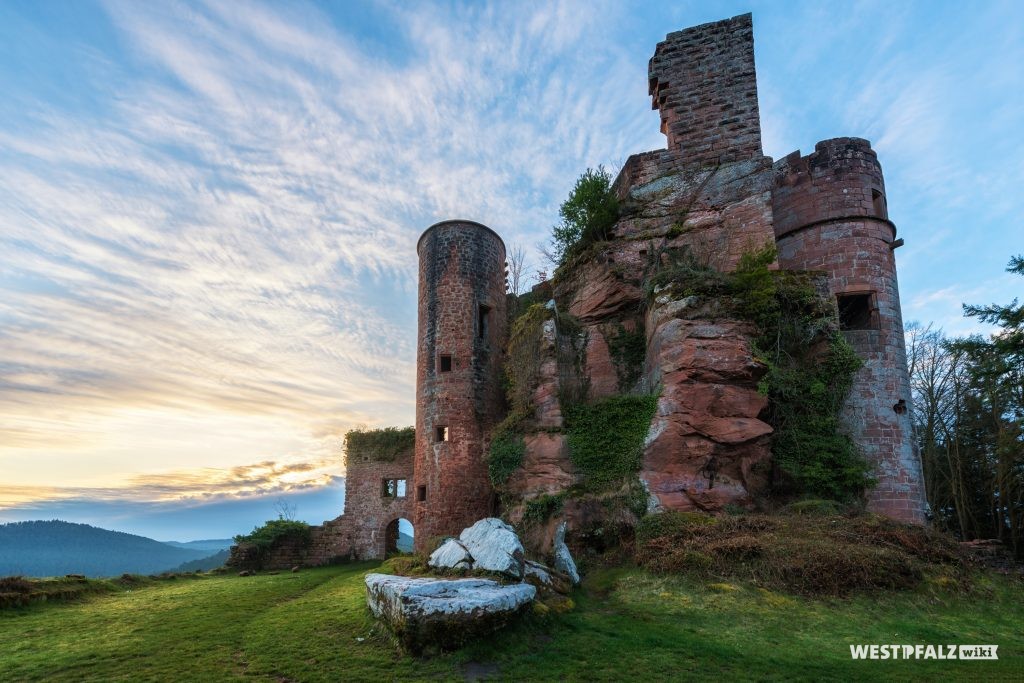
[(830, 215), (703, 83), (459, 395)]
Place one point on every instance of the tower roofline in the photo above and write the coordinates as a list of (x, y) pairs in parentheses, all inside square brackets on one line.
[(460, 221)]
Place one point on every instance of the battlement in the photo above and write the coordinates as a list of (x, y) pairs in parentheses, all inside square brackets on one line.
[(703, 81), (840, 179)]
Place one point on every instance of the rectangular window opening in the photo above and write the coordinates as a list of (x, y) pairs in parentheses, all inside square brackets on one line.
[(856, 312), (421, 493), (392, 488), (483, 319), (878, 201), (446, 363), (442, 434)]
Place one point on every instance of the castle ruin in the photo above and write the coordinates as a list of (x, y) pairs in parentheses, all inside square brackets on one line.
[(713, 190)]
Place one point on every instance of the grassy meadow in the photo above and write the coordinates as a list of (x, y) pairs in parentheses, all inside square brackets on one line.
[(627, 624)]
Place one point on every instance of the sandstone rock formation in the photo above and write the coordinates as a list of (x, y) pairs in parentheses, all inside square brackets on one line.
[(706, 440)]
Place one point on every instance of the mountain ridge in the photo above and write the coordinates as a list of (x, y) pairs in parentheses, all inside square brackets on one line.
[(56, 548)]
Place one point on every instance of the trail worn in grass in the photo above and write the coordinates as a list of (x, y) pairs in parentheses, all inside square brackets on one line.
[(628, 625)]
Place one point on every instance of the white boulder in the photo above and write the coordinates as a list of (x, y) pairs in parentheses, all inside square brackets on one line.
[(563, 558), (494, 546), (451, 555), (428, 614)]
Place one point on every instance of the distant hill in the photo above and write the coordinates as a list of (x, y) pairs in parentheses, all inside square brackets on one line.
[(404, 542), (56, 548), (212, 545), (206, 563)]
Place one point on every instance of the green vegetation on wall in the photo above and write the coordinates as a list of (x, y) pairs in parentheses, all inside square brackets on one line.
[(606, 438), (522, 368), (538, 510), (628, 350), (505, 455), (810, 367), (383, 445)]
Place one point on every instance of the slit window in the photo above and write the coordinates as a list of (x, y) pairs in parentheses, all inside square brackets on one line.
[(446, 363), (392, 488), (856, 312), (441, 434), (421, 493), (483, 318)]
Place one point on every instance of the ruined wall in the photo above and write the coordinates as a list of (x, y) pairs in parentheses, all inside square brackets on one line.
[(360, 532), (831, 216), (462, 333), (702, 81)]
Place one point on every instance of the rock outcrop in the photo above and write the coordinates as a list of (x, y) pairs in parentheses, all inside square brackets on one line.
[(706, 441), (563, 558), (428, 614)]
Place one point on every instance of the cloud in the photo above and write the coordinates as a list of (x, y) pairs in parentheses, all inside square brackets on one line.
[(223, 251), (211, 262), (189, 487)]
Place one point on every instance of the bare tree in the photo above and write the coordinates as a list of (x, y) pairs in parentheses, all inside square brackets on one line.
[(285, 510), (518, 268)]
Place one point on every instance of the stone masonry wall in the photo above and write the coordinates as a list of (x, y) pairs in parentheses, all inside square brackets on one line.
[(360, 532), (462, 268), (830, 215), (703, 82)]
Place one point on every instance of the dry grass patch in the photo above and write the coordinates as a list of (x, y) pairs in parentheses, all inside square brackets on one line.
[(810, 554)]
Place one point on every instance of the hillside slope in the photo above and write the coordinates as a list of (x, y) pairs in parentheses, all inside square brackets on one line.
[(208, 545), (55, 548), (628, 624)]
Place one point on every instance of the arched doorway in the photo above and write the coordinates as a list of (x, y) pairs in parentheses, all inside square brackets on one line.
[(398, 537)]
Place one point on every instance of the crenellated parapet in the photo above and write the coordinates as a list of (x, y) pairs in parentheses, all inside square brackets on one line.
[(840, 179), (830, 215)]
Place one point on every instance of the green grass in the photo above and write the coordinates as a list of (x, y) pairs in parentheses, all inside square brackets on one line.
[(628, 625)]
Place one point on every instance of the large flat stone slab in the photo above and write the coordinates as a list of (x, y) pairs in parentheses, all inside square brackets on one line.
[(427, 614)]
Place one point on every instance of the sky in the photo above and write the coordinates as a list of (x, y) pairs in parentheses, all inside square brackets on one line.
[(209, 211)]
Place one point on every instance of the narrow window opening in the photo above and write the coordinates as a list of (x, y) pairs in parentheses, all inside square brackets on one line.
[(483, 318), (643, 253), (442, 434), (446, 363), (856, 312), (878, 201), (421, 493)]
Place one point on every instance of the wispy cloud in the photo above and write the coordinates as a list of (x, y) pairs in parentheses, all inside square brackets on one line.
[(228, 243), (209, 261), (191, 487)]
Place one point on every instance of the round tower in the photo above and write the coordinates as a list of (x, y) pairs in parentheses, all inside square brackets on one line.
[(459, 395), (830, 215)]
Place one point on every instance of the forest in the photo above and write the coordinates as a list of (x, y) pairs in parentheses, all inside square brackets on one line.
[(969, 416)]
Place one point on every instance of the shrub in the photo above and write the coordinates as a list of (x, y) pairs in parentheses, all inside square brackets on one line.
[(587, 215), (606, 438), (275, 532)]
